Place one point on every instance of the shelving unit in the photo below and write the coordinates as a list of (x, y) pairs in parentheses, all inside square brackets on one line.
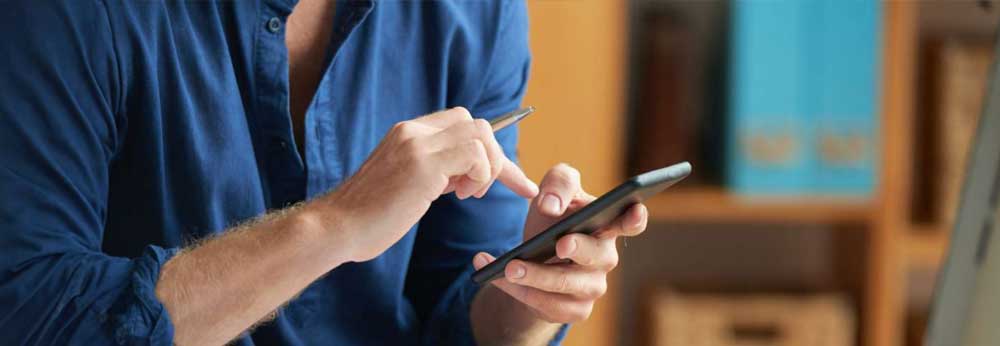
[(884, 303), (578, 83)]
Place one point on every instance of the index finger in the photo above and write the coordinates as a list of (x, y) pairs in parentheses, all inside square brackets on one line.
[(514, 178)]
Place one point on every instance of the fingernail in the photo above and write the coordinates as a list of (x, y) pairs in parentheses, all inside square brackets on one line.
[(518, 271), (571, 248), (551, 204), (642, 215), (479, 261), (462, 193)]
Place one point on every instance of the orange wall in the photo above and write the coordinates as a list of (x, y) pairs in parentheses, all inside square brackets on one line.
[(578, 86)]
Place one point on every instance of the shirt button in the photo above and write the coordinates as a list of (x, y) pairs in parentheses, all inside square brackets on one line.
[(283, 144), (274, 25)]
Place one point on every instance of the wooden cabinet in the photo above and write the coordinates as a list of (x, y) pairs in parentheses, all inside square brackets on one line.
[(578, 84)]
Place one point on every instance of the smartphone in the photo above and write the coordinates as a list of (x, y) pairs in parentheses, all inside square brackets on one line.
[(588, 219)]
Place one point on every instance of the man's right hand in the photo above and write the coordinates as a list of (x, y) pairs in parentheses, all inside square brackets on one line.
[(418, 161), (216, 290)]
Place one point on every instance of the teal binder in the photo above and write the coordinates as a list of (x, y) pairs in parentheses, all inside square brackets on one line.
[(768, 131), (846, 147), (803, 116)]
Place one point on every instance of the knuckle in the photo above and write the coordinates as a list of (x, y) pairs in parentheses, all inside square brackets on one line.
[(591, 289), (471, 129), (612, 261), (568, 171), (411, 147), (483, 126), (466, 129), (403, 129), (564, 175), (415, 156), (472, 150), (478, 148), (470, 146), (462, 111), (601, 289), (587, 261), (580, 314), (564, 284), (485, 131), (496, 165)]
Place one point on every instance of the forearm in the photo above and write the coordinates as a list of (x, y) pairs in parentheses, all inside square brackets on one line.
[(218, 289), (499, 319)]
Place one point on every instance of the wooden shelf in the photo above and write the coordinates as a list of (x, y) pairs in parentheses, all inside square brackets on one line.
[(715, 205)]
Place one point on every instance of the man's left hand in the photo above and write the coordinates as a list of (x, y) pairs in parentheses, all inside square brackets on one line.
[(564, 290)]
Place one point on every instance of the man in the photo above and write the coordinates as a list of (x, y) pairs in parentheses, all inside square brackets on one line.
[(201, 172)]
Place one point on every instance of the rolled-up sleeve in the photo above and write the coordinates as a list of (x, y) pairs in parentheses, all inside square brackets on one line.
[(453, 231), (138, 318), (59, 132)]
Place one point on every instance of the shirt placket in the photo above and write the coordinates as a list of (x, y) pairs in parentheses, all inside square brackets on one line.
[(325, 157), (283, 169)]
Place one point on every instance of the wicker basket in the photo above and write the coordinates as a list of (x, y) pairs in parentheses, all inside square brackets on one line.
[(680, 319)]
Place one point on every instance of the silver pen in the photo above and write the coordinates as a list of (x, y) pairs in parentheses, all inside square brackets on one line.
[(500, 122)]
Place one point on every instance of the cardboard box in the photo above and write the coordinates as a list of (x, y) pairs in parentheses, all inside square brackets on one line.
[(700, 319)]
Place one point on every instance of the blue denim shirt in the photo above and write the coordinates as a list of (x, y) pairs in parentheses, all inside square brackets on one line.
[(128, 129)]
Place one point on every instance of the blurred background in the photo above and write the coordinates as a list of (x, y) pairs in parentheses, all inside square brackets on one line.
[(827, 137)]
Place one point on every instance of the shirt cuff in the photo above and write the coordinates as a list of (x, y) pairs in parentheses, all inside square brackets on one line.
[(138, 317)]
